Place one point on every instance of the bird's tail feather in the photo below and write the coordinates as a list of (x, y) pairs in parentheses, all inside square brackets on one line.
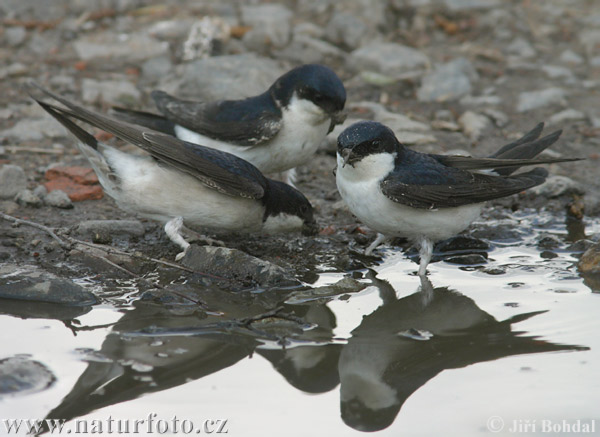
[(146, 119), (530, 136), (527, 147), (89, 146)]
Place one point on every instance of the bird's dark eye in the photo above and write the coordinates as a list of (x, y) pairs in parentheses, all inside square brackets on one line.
[(376, 144)]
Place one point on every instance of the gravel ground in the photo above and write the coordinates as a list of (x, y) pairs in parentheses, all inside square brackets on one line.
[(452, 75)]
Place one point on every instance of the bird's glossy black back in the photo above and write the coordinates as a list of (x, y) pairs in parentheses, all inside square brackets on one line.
[(313, 82), (368, 137)]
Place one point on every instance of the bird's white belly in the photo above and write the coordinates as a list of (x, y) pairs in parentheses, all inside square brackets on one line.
[(161, 193), (303, 130), (374, 209)]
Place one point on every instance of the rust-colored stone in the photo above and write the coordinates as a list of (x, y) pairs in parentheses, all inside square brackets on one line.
[(76, 192), (80, 175), (80, 183)]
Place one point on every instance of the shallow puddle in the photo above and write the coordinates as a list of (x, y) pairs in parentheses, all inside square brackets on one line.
[(508, 346)]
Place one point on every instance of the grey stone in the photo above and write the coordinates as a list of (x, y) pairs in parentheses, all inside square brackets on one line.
[(536, 99), (346, 29), (156, 68), (271, 21), (325, 293), (58, 199), (205, 37), (473, 124), (309, 29), (26, 197), (394, 121), (35, 129), (466, 259), (123, 228), (521, 48), (388, 58), (570, 57), (21, 375), (31, 284), (14, 69), (110, 91), (559, 72), (480, 100), (134, 47), (12, 180), (589, 38), (595, 61), (448, 81), (40, 191), (15, 35), (236, 265), (170, 29), (223, 77), (469, 5), (556, 186), (566, 115), (499, 118), (304, 49)]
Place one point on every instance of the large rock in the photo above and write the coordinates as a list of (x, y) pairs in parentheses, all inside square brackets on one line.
[(35, 129), (96, 229), (109, 91), (236, 265), (388, 58), (471, 5), (556, 186), (12, 181), (133, 47), (590, 260), (223, 77), (530, 100), (269, 22), (21, 375), (346, 29), (448, 81), (33, 284)]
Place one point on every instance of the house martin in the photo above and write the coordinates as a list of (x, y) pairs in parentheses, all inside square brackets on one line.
[(399, 192), (183, 185), (276, 131)]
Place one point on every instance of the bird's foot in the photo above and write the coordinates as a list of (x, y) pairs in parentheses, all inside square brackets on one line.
[(173, 230), (180, 255), (378, 241), (196, 237), (209, 241), (425, 252)]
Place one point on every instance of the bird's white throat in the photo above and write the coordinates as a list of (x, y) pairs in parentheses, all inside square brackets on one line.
[(371, 167)]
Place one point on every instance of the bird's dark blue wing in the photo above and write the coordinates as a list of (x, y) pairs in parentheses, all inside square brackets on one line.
[(222, 171), (421, 181), (247, 122), (219, 170)]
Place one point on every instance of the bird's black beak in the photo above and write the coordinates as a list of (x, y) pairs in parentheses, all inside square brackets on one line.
[(347, 157), (337, 118), (310, 228)]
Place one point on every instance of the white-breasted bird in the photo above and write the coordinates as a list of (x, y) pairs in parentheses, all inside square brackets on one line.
[(180, 184), (399, 192)]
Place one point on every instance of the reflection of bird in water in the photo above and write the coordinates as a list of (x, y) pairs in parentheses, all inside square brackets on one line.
[(405, 343), (150, 349), (128, 367), (311, 368)]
